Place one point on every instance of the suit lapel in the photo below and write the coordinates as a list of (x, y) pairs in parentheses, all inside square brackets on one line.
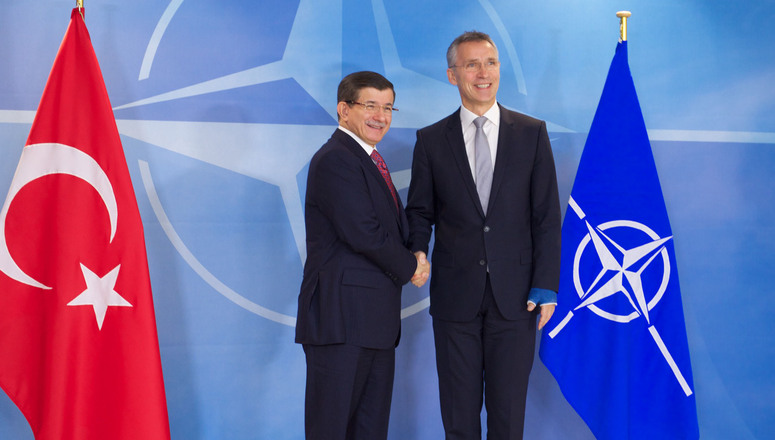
[(506, 136), (368, 165), (458, 149)]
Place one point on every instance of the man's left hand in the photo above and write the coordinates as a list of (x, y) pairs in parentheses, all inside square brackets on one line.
[(547, 299)]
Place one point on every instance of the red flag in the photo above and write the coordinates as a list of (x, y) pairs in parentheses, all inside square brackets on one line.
[(79, 353)]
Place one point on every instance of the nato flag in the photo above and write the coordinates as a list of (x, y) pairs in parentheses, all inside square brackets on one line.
[(617, 342)]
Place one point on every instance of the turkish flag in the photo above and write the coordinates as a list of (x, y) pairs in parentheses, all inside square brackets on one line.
[(79, 352)]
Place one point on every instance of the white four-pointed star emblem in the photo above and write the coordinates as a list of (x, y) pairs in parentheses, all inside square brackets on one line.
[(630, 266)]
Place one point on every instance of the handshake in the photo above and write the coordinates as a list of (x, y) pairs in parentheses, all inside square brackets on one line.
[(423, 271)]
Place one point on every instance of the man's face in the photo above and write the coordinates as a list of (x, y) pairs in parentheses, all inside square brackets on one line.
[(370, 126), (477, 84)]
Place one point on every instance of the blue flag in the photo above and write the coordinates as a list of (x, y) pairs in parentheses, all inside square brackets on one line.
[(616, 343)]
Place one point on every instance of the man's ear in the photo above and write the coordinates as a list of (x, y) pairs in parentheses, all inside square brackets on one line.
[(451, 76), (343, 110)]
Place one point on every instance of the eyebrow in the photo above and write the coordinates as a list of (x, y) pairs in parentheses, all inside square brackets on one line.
[(376, 103), (486, 59)]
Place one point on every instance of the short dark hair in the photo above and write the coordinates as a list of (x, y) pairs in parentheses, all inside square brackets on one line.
[(351, 85), (466, 37)]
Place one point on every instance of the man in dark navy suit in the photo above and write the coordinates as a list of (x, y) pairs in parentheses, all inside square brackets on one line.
[(357, 260), (485, 178)]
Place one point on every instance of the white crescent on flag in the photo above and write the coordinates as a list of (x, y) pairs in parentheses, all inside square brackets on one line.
[(44, 159)]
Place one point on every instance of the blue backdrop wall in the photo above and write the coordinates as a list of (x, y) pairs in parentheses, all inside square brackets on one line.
[(220, 106)]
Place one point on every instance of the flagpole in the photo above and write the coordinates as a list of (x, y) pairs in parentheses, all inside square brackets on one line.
[(623, 24), (623, 15)]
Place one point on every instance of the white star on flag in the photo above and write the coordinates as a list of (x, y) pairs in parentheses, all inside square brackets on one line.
[(99, 293), (630, 258)]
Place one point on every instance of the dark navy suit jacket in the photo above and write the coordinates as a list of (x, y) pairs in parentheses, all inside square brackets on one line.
[(518, 240), (357, 259)]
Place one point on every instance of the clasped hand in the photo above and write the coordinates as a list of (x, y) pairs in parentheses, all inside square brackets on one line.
[(423, 269)]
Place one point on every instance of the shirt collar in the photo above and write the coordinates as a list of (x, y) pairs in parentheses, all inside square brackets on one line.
[(467, 116), (366, 147)]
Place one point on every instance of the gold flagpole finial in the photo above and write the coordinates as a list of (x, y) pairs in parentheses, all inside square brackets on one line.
[(623, 24), (79, 4)]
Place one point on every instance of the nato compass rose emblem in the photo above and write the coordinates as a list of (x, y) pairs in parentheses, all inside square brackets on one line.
[(620, 273), (314, 58)]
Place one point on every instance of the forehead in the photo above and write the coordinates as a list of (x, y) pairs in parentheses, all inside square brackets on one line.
[(370, 94), (472, 50)]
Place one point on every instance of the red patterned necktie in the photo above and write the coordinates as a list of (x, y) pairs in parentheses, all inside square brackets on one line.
[(383, 169)]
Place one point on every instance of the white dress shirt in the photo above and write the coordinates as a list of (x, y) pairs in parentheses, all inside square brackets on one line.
[(491, 129)]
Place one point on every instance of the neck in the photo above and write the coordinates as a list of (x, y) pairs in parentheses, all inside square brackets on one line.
[(478, 110)]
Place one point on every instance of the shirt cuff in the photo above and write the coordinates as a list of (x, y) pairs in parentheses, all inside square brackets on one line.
[(542, 297)]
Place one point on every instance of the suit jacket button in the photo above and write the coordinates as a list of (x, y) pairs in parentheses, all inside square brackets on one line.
[(482, 262), (486, 229)]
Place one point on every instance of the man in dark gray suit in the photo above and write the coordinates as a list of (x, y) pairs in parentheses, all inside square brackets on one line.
[(357, 260), (485, 178)]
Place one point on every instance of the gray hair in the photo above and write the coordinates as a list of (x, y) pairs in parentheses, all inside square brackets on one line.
[(466, 37)]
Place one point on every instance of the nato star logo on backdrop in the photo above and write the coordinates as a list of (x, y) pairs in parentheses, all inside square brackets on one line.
[(314, 59)]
